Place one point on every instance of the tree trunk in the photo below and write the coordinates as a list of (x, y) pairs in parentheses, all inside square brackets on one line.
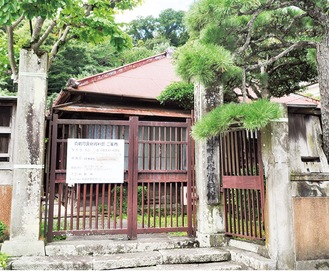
[(323, 77)]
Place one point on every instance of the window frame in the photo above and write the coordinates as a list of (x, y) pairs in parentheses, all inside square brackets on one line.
[(8, 130)]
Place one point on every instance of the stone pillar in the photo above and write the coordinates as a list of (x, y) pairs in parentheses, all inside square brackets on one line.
[(28, 157), (210, 223), (279, 211)]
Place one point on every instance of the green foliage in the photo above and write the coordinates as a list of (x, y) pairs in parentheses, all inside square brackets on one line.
[(203, 63), (178, 93), (251, 116), (169, 26), (5, 92), (142, 28), (135, 54), (4, 234), (227, 24), (11, 10), (90, 21), (4, 259), (51, 99)]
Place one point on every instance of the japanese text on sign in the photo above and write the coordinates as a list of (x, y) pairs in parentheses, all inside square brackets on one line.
[(95, 161)]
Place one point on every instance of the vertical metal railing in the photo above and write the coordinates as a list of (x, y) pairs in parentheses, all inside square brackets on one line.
[(243, 184)]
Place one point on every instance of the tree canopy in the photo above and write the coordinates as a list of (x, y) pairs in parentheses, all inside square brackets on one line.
[(54, 23), (276, 45), (169, 26), (250, 31)]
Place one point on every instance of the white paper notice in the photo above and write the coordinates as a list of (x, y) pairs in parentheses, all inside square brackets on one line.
[(95, 161)]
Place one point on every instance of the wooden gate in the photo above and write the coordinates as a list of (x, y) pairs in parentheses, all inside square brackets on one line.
[(156, 195), (243, 184)]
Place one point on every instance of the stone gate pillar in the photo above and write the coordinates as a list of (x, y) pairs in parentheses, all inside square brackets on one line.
[(210, 224), (279, 211), (28, 157)]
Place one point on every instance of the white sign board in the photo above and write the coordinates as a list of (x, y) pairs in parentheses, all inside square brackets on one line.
[(95, 161)]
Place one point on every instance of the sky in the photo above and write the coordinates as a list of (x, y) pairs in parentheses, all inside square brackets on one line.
[(154, 8)]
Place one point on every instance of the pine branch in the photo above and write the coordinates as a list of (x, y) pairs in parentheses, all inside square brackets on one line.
[(304, 44)]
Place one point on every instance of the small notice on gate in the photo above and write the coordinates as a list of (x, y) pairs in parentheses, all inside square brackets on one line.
[(95, 161)]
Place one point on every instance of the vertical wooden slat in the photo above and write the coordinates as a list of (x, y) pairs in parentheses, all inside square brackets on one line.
[(259, 223), (109, 205), (229, 210), (189, 163), (121, 202), (143, 146), (159, 205), (245, 159), (238, 206), (84, 206), (103, 206), (65, 206), (52, 181), (171, 204), (236, 154), (154, 202), (245, 226), (59, 203), (182, 204), (165, 148), (176, 199), (78, 207), (96, 204), (72, 207), (165, 204), (148, 204), (90, 205), (143, 205)]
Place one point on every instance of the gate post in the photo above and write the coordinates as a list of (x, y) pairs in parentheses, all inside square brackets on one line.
[(133, 178), (279, 212), (210, 219), (29, 142)]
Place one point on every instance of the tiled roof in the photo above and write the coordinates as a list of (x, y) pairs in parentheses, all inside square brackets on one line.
[(146, 79)]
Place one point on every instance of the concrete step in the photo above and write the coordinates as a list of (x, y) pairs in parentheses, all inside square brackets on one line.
[(251, 259), (75, 246), (229, 265), (168, 258), (252, 255), (249, 246)]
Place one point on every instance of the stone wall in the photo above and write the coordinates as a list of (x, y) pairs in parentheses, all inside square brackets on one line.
[(297, 193)]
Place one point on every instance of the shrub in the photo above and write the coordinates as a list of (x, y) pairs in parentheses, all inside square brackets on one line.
[(178, 93), (3, 260), (4, 234)]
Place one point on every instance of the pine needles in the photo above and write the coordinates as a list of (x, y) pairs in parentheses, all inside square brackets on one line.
[(251, 116)]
